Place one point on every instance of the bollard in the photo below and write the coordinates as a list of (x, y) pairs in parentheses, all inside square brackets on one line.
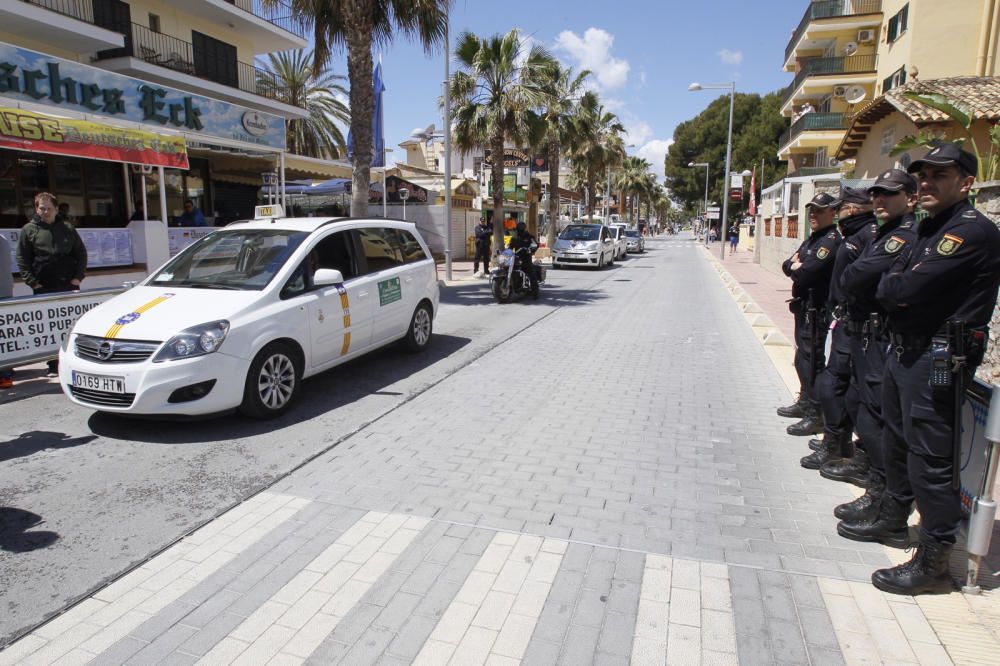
[(984, 508)]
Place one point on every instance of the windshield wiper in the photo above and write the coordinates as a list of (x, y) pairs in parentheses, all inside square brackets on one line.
[(209, 285)]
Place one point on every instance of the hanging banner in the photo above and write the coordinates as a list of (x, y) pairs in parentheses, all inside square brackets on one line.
[(41, 133)]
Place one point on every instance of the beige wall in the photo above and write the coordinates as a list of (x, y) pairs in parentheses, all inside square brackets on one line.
[(178, 24), (51, 49)]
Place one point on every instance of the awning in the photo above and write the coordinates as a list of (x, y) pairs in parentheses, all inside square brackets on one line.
[(298, 166), (43, 133)]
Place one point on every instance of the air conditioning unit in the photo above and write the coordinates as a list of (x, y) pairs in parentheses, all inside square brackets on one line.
[(866, 36), (850, 48), (833, 161), (840, 91)]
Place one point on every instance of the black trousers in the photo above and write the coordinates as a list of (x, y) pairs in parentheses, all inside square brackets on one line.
[(484, 254), (917, 438), (55, 288), (837, 397), (869, 367), (806, 355)]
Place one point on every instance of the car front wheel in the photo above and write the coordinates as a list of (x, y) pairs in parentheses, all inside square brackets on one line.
[(272, 383), (421, 326)]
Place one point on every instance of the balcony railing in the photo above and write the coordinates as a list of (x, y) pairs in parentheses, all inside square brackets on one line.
[(78, 9), (822, 9), (856, 64), (813, 121), (178, 55), (279, 14)]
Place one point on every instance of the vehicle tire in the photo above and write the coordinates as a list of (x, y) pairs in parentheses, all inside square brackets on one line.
[(600, 262), (272, 383), (418, 336), (501, 290)]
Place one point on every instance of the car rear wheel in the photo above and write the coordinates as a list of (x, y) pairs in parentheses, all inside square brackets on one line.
[(421, 326), (272, 383)]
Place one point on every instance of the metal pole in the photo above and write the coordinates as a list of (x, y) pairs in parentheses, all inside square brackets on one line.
[(725, 177), (385, 189), (404, 210), (447, 153), (163, 198), (281, 165), (607, 196), (707, 223), (145, 210)]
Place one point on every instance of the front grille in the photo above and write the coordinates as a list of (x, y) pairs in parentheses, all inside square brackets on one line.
[(121, 351), (102, 398), (574, 260)]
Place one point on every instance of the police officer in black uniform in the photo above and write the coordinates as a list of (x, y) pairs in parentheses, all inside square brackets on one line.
[(857, 226), (484, 239), (894, 196), (810, 269), (940, 295), (522, 238)]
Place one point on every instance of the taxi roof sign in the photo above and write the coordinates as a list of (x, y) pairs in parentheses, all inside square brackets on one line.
[(272, 211)]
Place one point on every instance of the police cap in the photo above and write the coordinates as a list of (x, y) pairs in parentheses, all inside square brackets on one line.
[(894, 180), (945, 155), (853, 195), (823, 200)]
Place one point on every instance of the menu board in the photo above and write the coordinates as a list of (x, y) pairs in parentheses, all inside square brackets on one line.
[(179, 238), (105, 247)]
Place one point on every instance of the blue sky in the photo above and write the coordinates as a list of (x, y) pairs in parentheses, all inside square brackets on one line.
[(643, 55)]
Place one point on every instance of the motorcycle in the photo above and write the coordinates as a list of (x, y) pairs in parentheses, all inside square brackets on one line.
[(509, 278)]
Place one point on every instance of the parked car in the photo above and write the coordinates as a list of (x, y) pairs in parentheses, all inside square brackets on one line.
[(242, 316), (588, 245), (618, 233), (634, 241)]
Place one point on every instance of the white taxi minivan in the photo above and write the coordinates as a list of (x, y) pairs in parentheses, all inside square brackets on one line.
[(242, 316)]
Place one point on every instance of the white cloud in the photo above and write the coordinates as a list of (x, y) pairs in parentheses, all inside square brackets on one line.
[(593, 51), (637, 132), (731, 57), (654, 152)]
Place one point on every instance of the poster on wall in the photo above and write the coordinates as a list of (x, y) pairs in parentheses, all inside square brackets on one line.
[(105, 247)]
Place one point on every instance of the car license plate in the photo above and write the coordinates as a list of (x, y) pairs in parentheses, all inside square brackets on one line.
[(99, 382)]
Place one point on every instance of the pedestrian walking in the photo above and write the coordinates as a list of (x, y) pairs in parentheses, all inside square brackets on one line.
[(940, 295), (50, 254), (734, 236), (894, 196), (834, 455), (810, 269), (484, 240), (6, 291)]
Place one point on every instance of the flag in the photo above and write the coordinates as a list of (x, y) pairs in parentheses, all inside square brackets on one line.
[(753, 192), (378, 130)]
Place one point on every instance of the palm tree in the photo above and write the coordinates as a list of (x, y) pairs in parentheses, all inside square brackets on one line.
[(495, 97), (598, 146), (320, 94), (632, 179), (358, 25), (562, 93)]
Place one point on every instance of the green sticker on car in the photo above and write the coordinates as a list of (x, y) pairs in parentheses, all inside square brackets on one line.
[(389, 291)]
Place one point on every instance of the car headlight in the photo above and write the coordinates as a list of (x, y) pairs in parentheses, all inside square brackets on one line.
[(195, 341)]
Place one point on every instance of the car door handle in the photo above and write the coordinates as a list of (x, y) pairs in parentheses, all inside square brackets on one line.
[(362, 294), (407, 279)]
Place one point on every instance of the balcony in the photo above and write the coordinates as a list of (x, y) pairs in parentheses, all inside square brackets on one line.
[(825, 9), (68, 24), (210, 65), (811, 122), (268, 28), (837, 65)]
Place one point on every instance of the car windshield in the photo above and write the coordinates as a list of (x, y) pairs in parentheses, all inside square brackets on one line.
[(632, 233), (238, 259), (588, 232)]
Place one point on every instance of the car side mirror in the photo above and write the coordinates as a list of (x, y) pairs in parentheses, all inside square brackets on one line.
[(327, 276)]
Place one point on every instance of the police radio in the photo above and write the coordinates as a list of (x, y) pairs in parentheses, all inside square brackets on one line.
[(941, 370)]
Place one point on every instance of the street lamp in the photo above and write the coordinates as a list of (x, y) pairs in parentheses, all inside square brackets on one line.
[(385, 188), (404, 194), (703, 164), (731, 87), (447, 152)]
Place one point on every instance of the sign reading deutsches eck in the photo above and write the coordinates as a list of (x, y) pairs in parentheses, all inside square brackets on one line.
[(29, 76), (512, 158)]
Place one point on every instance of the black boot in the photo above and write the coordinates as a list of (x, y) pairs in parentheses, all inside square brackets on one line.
[(811, 423), (794, 410), (829, 450), (815, 444), (865, 508), (849, 470), (887, 528), (926, 573)]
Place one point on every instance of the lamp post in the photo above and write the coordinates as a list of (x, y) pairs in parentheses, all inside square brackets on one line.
[(447, 152), (731, 87), (705, 210), (385, 188), (404, 194)]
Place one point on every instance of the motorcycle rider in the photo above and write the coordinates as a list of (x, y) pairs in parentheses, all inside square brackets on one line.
[(523, 239)]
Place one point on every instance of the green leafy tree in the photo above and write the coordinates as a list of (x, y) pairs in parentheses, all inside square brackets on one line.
[(598, 146), (295, 83), (496, 94), (357, 26), (633, 180)]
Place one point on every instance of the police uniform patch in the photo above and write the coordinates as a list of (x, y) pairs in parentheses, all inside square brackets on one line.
[(894, 244), (822, 253), (949, 245)]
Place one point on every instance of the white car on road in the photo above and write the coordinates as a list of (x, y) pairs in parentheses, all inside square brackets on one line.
[(621, 246), (241, 317), (588, 245)]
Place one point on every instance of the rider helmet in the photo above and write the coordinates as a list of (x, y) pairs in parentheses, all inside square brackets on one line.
[(521, 226)]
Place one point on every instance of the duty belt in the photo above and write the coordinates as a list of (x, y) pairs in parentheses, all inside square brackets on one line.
[(856, 326), (909, 342)]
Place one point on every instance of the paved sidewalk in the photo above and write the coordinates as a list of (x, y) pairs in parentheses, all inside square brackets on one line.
[(641, 505)]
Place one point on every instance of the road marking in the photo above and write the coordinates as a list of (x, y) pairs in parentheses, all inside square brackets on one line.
[(100, 621), (495, 612), (685, 614), (297, 618)]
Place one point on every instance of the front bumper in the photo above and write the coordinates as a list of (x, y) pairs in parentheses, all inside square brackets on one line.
[(576, 257), (148, 386)]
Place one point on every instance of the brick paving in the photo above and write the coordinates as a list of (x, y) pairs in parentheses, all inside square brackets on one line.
[(641, 505)]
